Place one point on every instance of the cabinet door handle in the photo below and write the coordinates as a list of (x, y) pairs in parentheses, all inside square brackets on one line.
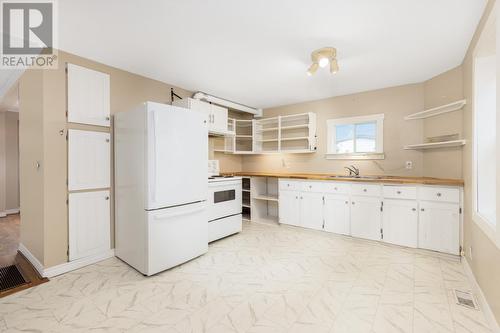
[(107, 118), (364, 190), (414, 209), (301, 198), (398, 192), (310, 186), (296, 197), (107, 140), (347, 202), (422, 210), (335, 188), (353, 202), (438, 194), (106, 198)]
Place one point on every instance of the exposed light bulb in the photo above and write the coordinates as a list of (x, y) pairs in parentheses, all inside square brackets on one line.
[(334, 66), (323, 62), (312, 69)]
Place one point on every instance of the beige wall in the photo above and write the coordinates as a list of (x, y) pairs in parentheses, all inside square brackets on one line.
[(30, 152), (395, 103), (3, 164), (9, 161), (12, 160), (485, 261), (440, 90)]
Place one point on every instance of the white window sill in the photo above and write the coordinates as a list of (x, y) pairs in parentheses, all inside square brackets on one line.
[(359, 156)]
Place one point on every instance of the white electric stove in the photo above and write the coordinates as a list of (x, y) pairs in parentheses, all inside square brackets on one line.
[(224, 206)]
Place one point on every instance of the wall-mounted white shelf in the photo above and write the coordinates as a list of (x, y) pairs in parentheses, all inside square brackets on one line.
[(455, 106), (435, 145)]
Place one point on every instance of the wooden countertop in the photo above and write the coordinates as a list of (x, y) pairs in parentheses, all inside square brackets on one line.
[(364, 178)]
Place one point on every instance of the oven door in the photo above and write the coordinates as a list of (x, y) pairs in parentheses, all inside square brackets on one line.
[(224, 200)]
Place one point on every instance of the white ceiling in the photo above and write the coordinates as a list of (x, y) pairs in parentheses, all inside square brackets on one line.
[(257, 51)]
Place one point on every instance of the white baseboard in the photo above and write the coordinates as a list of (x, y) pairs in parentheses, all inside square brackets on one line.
[(483, 304), (76, 264), (12, 211), (67, 266), (9, 212), (31, 258)]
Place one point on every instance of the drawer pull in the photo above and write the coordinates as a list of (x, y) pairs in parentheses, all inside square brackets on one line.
[(310, 186), (398, 192), (106, 198), (438, 194), (353, 202), (422, 210), (364, 190), (288, 185), (335, 188), (347, 202), (414, 209), (301, 198)]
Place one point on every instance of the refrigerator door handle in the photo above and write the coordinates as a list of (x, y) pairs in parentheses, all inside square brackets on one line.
[(178, 212), (152, 182)]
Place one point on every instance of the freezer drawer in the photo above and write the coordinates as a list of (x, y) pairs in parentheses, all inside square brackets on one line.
[(221, 228), (176, 235)]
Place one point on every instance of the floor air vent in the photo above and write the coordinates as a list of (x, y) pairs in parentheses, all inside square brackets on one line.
[(10, 277), (465, 299)]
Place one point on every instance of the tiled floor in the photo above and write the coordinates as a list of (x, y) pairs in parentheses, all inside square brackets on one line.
[(266, 279)]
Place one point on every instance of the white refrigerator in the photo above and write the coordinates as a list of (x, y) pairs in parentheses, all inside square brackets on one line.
[(161, 156)]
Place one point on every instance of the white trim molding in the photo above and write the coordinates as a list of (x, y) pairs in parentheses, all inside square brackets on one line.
[(65, 267), (9, 212), (76, 264), (31, 258), (478, 293)]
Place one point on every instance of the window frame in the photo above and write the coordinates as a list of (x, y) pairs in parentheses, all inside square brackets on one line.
[(379, 139), (490, 230)]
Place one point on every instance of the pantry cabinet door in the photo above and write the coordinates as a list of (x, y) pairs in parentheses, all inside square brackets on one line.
[(311, 210), (366, 217), (337, 214), (89, 224), (438, 227), (89, 155), (289, 208), (400, 220), (218, 119), (88, 96)]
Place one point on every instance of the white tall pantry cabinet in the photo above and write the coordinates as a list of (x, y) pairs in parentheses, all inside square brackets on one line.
[(89, 163)]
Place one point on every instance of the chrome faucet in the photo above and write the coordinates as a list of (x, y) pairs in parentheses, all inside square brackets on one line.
[(353, 171)]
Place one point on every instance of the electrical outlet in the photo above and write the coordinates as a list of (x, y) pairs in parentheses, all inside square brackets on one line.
[(409, 165)]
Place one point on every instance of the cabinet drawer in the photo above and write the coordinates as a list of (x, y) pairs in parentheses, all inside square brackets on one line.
[(400, 192), (287, 184), (335, 187), (366, 189), (312, 186), (440, 194)]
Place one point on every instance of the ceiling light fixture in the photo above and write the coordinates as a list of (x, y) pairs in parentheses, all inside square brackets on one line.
[(322, 58)]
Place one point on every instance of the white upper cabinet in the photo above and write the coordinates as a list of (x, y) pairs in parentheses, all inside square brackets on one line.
[(216, 115), (88, 96), (89, 226), (89, 155)]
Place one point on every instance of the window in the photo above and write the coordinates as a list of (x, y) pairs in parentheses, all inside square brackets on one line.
[(485, 143), (356, 137)]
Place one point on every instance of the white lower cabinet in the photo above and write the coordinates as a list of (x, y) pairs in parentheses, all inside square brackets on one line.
[(337, 214), (400, 222), (365, 217), (438, 227), (289, 207), (421, 216), (89, 226), (311, 210)]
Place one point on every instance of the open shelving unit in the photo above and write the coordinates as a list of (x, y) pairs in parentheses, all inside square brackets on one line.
[(262, 192), (246, 198), (445, 141)]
